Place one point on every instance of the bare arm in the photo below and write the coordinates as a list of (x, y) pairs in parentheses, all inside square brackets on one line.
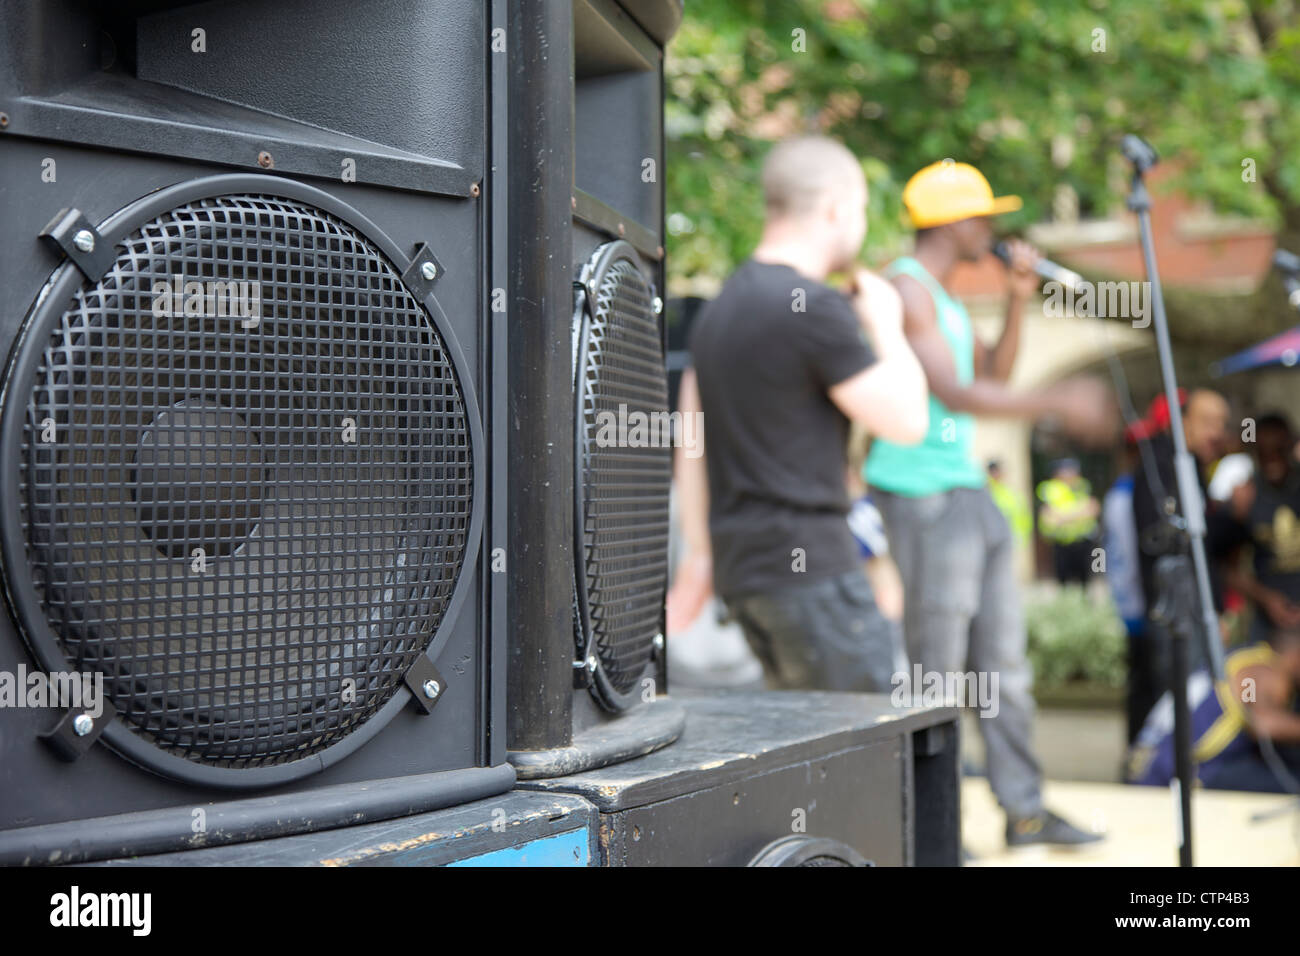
[(996, 363), (1051, 517), (690, 470), (982, 396), (1280, 610), (1270, 715), (1241, 581), (889, 398), (1083, 404), (693, 581)]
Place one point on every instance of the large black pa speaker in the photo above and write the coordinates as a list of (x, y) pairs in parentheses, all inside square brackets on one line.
[(250, 469), (589, 512)]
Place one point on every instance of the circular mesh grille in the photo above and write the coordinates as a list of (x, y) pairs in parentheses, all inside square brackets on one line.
[(626, 470), (248, 510), (825, 861)]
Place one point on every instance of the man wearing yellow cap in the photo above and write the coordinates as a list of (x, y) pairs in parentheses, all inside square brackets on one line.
[(952, 544)]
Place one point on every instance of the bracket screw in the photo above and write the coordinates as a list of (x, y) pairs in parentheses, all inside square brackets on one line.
[(475, 190), (83, 725), (264, 160), (592, 663), (432, 689), (429, 271), (84, 240)]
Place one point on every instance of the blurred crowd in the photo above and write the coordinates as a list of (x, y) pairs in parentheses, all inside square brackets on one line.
[(1249, 483)]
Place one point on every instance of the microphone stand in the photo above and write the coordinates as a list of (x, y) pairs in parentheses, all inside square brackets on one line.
[(1175, 608), (1173, 612)]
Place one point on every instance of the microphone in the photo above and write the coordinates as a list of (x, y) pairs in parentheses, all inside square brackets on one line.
[(1044, 267), (1288, 263), (1139, 152)]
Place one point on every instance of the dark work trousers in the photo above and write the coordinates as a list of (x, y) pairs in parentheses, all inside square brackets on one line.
[(824, 634), (1250, 771), (1073, 561), (962, 613)]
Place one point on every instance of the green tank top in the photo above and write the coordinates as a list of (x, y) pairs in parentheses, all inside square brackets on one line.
[(945, 458)]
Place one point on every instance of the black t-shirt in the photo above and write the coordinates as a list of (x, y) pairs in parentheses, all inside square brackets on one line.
[(1273, 529), (765, 351)]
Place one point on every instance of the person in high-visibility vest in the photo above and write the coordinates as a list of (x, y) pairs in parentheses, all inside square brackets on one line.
[(1012, 504), (1068, 519)]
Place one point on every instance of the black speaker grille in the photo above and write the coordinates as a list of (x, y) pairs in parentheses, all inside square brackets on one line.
[(825, 861), (249, 519), (625, 482)]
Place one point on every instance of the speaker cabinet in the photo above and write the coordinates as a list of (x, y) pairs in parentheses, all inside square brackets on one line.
[(247, 421), (795, 778), (589, 515)]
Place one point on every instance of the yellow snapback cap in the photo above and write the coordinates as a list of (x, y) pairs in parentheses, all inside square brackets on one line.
[(947, 192)]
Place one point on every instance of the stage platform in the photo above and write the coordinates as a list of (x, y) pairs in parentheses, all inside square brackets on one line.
[(1140, 827)]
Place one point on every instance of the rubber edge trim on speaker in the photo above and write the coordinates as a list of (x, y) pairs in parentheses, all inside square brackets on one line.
[(240, 821)]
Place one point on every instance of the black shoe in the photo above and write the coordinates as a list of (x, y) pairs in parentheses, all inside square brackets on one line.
[(1047, 829)]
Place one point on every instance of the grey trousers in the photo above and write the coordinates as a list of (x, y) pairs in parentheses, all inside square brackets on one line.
[(962, 613), (826, 634)]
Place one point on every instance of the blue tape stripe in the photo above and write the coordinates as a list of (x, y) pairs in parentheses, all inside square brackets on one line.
[(564, 849)]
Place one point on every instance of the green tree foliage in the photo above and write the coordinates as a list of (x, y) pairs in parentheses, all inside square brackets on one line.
[(1037, 93)]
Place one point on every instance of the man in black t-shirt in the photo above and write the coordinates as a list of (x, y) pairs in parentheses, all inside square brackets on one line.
[(780, 366), (1266, 516)]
